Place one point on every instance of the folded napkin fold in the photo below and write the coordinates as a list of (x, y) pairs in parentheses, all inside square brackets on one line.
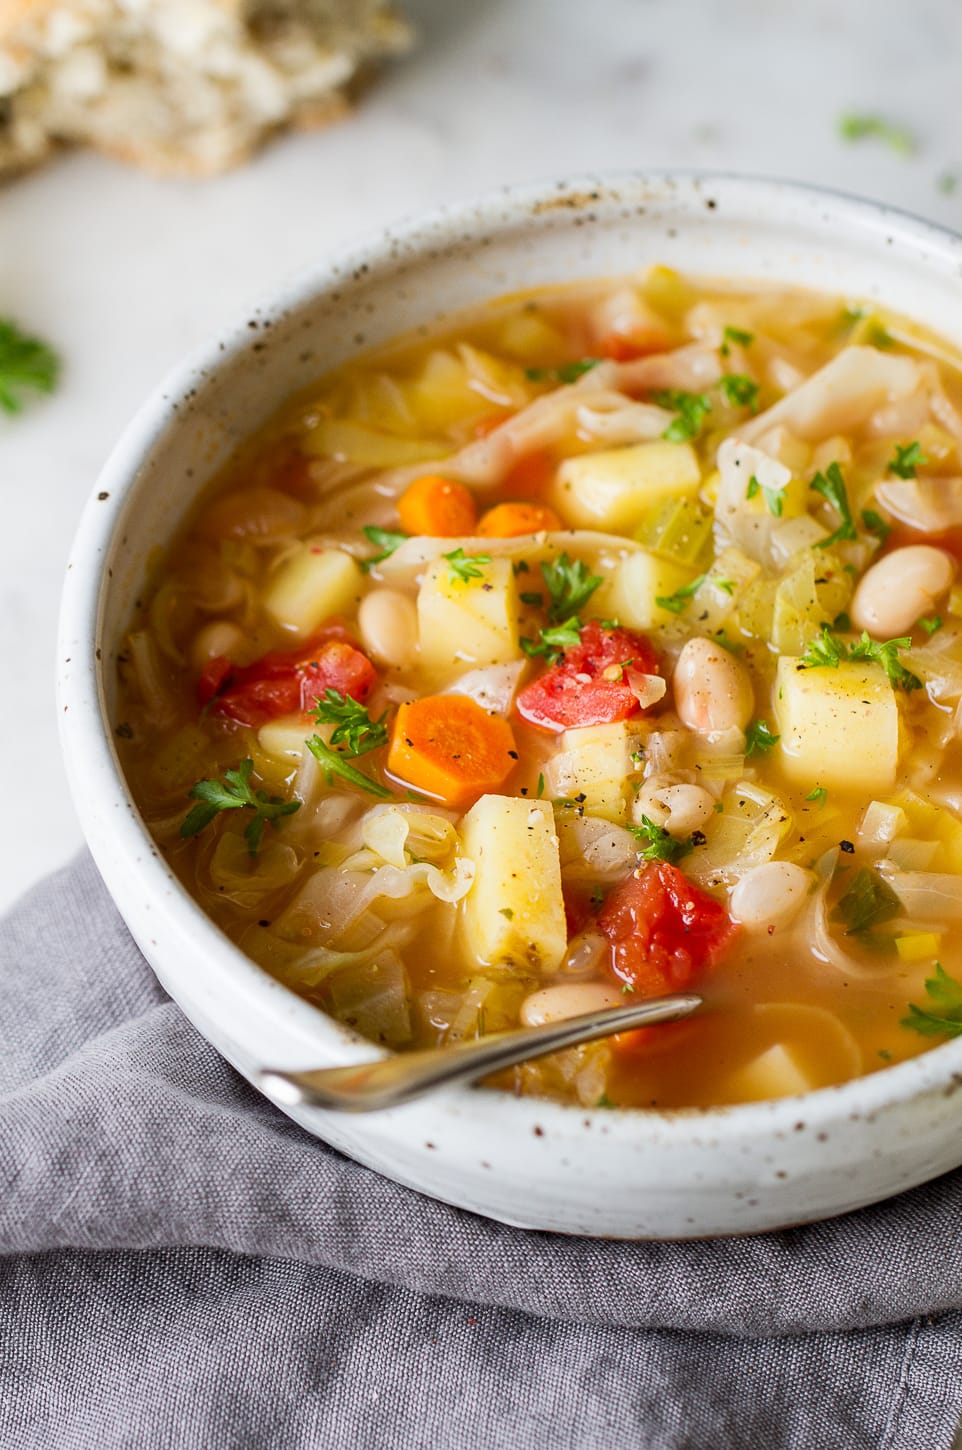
[(184, 1266)]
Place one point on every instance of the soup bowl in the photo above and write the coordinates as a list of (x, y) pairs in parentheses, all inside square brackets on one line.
[(538, 1164)]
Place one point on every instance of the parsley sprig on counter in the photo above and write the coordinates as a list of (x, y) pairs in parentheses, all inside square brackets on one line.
[(26, 364), (234, 793)]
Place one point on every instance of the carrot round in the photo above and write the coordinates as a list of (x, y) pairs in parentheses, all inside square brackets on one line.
[(451, 749), (510, 520), (438, 507)]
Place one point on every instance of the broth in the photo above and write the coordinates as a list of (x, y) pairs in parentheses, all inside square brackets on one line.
[(606, 641)]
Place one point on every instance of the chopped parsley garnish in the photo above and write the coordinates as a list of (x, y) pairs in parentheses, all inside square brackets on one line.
[(355, 729), (387, 540), (568, 372), (531, 598), (333, 762), (692, 410), (25, 363), (540, 790), (827, 651), (831, 486), (465, 566), (507, 912), (945, 1001), (876, 525), (868, 902), (661, 846), (759, 738), (774, 497), (570, 585), (678, 601), (554, 640), (931, 626), (819, 795), (863, 126), (736, 335), (740, 391), (234, 793), (908, 458)]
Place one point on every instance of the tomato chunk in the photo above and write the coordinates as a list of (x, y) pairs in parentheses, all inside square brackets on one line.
[(663, 930), (279, 683), (576, 691)]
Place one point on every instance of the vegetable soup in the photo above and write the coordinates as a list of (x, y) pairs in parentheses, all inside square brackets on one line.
[(605, 642)]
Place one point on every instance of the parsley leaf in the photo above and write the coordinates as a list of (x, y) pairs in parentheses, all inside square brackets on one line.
[(25, 362), (554, 640), (570, 586), (868, 902), (740, 391), (886, 653), (678, 601), (692, 410), (908, 457), (387, 540), (945, 994), (831, 486), (876, 525), (736, 335), (568, 372), (774, 497), (354, 727), (332, 762), (465, 566), (819, 795), (660, 845), (825, 651), (931, 626), (862, 126), (232, 794), (759, 738)]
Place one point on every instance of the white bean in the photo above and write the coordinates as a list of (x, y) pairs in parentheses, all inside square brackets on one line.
[(222, 638), (713, 690), (679, 809), (770, 895), (388, 624), (900, 589), (568, 999)]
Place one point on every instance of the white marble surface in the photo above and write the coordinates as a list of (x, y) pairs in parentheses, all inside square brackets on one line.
[(124, 272)]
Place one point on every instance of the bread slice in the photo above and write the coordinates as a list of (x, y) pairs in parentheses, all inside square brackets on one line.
[(179, 86)]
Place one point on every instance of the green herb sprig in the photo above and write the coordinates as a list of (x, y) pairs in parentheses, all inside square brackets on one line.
[(908, 458), (234, 793), (26, 364), (354, 728), (464, 566), (333, 762), (692, 410), (759, 739), (945, 1000), (568, 372), (831, 485), (387, 540), (659, 844)]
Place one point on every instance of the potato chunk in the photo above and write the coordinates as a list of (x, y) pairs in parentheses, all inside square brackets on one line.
[(470, 620), (839, 727), (630, 592), (595, 765), (615, 489), (312, 585), (514, 916)]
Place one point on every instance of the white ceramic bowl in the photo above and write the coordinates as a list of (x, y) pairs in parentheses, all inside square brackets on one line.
[(538, 1164)]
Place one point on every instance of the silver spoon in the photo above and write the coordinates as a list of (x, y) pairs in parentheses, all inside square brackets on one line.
[(387, 1081)]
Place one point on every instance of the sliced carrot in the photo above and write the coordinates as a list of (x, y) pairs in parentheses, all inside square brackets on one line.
[(487, 425), (530, 475), (451, 749), (509, 520), (438, 507)]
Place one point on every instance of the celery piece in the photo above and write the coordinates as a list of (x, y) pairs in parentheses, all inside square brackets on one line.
[(679, 530)]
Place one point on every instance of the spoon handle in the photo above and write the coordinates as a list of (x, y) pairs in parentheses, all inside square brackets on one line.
[(385, 1082)]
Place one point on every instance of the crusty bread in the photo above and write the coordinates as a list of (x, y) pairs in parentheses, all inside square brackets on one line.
[(182, 86)]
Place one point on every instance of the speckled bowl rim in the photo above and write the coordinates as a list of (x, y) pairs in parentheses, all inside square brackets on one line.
[(111, 821)]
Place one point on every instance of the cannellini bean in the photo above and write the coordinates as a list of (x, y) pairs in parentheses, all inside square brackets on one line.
[(713, 690), (568, 999), (222, 638), (679, 809), (900, 588), (770, 895), (388, 623)]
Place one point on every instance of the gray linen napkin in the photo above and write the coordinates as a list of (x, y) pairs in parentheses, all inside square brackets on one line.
[(184, 1267)]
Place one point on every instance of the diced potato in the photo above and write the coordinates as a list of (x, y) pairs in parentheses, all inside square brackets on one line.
[(839, 727), (596, 762), (928, 819), (616, 488), (919, 946), (468, 620), (514, 916), (816, 590), (775, 1073), (311, 586), (630, 592), (283, 738), (722, 590)]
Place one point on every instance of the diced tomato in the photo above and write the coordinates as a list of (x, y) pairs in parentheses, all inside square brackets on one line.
[(281, 683), (576, 692), (663, 930)]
